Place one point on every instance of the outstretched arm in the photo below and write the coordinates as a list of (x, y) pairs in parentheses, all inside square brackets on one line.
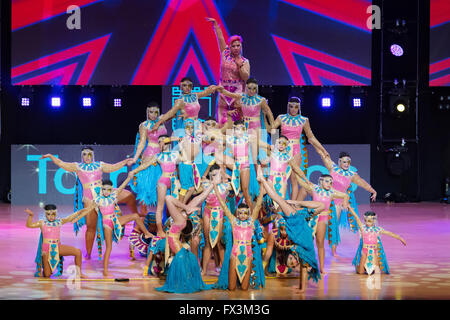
[(201, 197), (287, 209), (107, 168), (312, 139), (223, 205), (30, 223), (327, 162), (219, 35), (222, 90), (341, 195), (394, 235), (363, 184), (275, 125), (68, 166), (316, 205), (301, 178), (141, 144), (207, 91), (229, 123), (360, 225)]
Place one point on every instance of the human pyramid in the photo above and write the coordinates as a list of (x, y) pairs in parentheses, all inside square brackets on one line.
[(233, 186)]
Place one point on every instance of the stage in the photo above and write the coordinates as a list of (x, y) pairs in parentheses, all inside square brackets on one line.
[(421, 270)]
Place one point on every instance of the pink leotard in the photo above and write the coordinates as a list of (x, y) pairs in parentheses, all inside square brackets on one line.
[(168, 162), (152, 139), (342, 179), (279, 168), (90, 175), (191, 106), (251, 110), (51, 232), (212, 202), (370, 238), (324, 196), (242, 235), (292, 128), (240, 150)]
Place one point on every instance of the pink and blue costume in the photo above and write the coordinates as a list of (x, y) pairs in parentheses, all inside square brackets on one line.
[(292, 128), (370, 245), (49, 243)]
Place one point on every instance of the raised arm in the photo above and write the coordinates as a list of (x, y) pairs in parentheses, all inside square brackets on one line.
[(312, 139), (363, 184), (342, 195), (394, 235), (30, 223), (267, 112), (327, 162), (353, 213), (223, 205), (107, 168), (141, 144), (68, 166), (276, 124), (219, 34), (229, 123), (201, 197), (287, 209), (207, 91), (259, 200)]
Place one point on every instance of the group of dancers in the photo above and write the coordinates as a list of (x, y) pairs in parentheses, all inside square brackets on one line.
[(233, 187)]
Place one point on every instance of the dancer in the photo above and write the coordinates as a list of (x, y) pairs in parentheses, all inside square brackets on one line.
[(255, 110), (89, 175), (190, 147), (324, 193), (243, 227), (234, 71), (184, 272), (370, 256), (147, 146), (50, 253), (239, 147), (343, 176), (213, 216), (109, 224), (168, 161), (187, 106), (295, 127), (298, 231)]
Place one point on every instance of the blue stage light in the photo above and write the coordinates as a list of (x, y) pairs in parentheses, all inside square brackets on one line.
[(326, 102), (117, 102), (87, 102), (357, 102), (25, 102), (56, 102)]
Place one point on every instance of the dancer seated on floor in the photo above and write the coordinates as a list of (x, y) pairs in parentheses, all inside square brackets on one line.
[(295, 216), (243, 227), (110, 225), (50, 250), (370, 256), (184, 274)]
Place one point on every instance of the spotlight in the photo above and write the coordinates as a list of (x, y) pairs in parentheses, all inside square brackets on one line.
[(55, 102), (117, 102), (356, 102), (357, 97), (25, 97), (25, 102), (87, 102), (325, 102), (117, 96), (399, 105)]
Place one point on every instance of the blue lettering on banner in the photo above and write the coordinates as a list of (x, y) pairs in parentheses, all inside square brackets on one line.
[(42, 174), (58, 182)]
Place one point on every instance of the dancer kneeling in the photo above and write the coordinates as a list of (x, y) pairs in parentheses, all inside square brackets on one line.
[(50, 251), (184, 274), (298, 231)]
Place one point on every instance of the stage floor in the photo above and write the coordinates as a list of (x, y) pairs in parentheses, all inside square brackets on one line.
[(421, 270)]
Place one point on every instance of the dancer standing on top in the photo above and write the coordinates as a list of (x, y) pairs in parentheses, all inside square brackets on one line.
[(234, 72)]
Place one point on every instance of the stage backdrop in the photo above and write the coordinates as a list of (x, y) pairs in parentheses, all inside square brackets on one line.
[(439, 43), (37, 181), (288, 42)]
